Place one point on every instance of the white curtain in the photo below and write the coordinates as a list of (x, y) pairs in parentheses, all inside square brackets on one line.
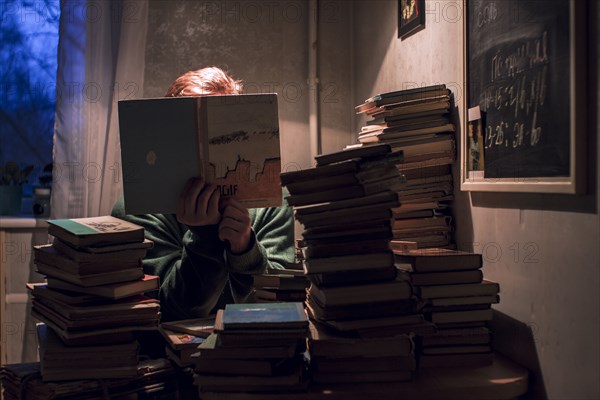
[(100, 61)]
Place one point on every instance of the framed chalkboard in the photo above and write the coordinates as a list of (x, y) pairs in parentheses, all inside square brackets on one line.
[(524, 115)]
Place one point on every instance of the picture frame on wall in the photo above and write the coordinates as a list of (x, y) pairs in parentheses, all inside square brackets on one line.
[(411, 17), (525, 98)]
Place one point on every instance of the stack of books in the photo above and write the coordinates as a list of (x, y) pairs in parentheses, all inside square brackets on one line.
[(454, 296), (256, 348), (355, 298), (93, 300), (60, 362), (338, 358), (154, 379), (279, 285), (417, 121), (183, 338)]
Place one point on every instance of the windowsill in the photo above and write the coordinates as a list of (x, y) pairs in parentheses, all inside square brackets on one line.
[(22, 222)]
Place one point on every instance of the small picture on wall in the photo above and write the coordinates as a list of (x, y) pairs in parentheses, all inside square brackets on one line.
[(411, 17)]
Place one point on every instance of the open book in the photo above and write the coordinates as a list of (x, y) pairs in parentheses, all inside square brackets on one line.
[(232, 140)]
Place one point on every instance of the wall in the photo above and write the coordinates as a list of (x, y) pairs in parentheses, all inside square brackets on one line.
[(264, 43), (249, 39), (335, 48), (542, 249)]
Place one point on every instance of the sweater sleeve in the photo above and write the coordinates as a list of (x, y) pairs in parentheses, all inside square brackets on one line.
[(190, 265), (194, 266), (273, 248)]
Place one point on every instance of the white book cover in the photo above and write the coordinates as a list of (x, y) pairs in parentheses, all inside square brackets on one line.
[(232, 140)]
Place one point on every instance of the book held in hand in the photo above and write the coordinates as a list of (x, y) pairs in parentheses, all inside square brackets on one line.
[(231, 140)]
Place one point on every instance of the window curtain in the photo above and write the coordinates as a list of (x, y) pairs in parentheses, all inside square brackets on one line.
[(101, 55)]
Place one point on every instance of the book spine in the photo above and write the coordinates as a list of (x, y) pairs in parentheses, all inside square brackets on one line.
[(202, 137)]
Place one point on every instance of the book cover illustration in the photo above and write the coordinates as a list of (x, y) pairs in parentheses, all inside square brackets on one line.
[(94, 225), (244, 158), (231, 140)]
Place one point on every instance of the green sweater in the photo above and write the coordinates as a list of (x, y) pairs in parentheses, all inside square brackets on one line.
[(197, 272)]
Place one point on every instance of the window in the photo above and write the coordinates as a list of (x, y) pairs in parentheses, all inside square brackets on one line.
[(28, 63)]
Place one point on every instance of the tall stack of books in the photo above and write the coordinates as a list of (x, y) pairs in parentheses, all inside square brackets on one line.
[(354, 301), (280, 285), (454, 296), (255, 348), (417, 121), (93, 300)]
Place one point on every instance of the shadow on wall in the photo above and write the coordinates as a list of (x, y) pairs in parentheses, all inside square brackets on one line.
[(516, 341), (461, 208)]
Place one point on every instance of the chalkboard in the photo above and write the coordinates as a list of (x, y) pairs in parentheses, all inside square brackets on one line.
[(518, 53)]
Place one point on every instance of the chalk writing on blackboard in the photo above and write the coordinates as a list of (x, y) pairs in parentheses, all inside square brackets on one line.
[(519, 76)]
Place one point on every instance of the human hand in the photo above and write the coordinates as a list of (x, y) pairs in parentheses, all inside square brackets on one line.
[(235, 226), (198, 203)]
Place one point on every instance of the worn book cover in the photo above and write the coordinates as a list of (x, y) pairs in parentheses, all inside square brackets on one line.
[(231, 140), (54, 255), (49, 254), (112, 291), (285, 279), (95, 231), (324, 342), (318, 265), (104, 254), (102, 278), (263, 315), (486, 288), (439, 260), (201, 327), (361, 294), (210, 349), (59, 362)]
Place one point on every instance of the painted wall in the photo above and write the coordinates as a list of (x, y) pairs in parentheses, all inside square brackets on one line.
[(263, 43), (542, 249)]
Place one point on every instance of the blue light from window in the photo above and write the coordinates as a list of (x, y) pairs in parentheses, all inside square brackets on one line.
[(28, 63)]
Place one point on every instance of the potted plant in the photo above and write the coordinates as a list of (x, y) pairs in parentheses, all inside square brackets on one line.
[(12, 178), (41, 194)]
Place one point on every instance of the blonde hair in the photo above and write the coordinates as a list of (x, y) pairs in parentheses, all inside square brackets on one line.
[(204, 82)]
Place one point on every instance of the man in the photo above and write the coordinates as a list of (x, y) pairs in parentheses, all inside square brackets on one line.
[(206, 254)]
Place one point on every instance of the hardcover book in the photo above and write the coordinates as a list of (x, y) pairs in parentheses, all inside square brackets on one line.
[(439, 260), (113, 291), (264, 315), (88, 280), (50, 255), (231, 140), (324, 342), (486, 288), (95, 231), (210, 349), (285, 279), (361, 294), (201, 327), (59, 362)]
